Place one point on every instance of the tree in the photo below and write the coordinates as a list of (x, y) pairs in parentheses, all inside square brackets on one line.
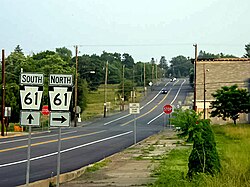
[(230, 102), (128, 87), (18, 49), (128, 60), (186, 121), (204, 156), (247, 48), (64, 53), (207, 55), (163, 63), (180, 66), (191, 77)]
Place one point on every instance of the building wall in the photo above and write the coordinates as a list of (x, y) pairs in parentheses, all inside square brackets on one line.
[(218, 73)]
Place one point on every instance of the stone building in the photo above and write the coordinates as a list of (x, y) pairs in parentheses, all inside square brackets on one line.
[(212, 74)]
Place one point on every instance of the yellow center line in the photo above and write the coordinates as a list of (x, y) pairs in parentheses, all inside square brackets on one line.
[(151, 109), (49, 141)]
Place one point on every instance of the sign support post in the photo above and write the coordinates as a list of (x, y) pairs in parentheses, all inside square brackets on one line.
[(169, 121), (28, 158), (164, 122), (134, 108), (60, 92), (31, 91), (59, 157), (168, 109), (134, 129)]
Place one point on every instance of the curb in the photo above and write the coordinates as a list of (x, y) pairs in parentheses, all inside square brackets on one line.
[(63, 178)]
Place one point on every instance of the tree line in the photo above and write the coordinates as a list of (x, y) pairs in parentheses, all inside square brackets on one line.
[(91, 71)]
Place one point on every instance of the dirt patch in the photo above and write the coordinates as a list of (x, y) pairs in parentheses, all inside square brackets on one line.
[(131, 167)]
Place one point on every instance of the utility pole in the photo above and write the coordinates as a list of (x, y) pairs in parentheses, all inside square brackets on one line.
[(204, 82), (133, 90), (123, 67), (153, 73), (75, 125), (156, 77), (195, 63), (105, 90), (3, 92), (145, 79)]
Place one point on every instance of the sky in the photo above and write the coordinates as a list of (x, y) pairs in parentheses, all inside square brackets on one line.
[(143, 28)]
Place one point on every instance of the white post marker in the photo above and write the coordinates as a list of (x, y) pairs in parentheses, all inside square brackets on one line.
[(134, 108), (31, 91)]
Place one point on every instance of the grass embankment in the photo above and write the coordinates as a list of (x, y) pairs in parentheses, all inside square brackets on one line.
[(233, 145), (95, 103)]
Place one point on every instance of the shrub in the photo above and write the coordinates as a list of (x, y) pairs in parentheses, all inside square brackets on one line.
[(204, 157)]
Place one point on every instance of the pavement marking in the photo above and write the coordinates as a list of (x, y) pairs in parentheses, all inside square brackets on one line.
[(140, 107), (170, 104), (49, 141), (19, 140), (116, 119), (152, 109), (66, 150)]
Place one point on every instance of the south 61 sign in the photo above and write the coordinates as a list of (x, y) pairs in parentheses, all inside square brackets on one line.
[(31, 97), (31, 91)]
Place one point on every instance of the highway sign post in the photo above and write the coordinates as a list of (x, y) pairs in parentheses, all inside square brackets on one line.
[(31, 91), (134, 108), (60, 92), (167, 109)]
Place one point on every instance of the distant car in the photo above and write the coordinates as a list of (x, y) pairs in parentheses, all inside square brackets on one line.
[(164, 91), (173, 79)]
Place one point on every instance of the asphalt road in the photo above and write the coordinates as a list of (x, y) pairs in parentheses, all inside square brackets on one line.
[(81, 146)]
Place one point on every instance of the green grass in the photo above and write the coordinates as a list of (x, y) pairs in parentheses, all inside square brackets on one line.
[(95, 104), (233, 145), (97, 166)]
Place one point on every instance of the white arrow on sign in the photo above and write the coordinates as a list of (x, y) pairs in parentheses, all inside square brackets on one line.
[(59, 119), (60, 98), (31, 98), (30, 118)]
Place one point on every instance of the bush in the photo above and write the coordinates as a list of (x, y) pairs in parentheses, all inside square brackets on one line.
[(204, 157)]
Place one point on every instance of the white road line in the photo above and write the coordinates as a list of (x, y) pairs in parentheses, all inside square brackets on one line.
[(170, 104), (116, 119), (66, 150), (140, 108), (19, 140)]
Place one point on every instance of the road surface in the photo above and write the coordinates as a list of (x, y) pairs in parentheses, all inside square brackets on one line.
[(84, 145)]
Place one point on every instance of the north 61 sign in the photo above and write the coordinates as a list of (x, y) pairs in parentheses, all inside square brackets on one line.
[(60, 92), (60, 98)]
